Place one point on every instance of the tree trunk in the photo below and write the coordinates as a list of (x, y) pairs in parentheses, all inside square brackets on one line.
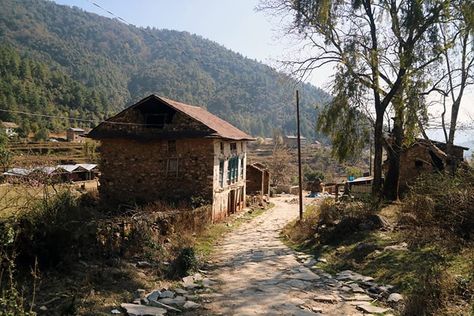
[(452, 161), (378, 152), (391, 187)]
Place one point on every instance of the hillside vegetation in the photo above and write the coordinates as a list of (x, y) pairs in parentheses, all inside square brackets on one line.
[(86, 66)]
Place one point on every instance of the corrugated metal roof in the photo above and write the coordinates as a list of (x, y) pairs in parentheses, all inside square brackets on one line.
[(362, 179), (87, 166), (18, 172), (77, 129), (49, 170)]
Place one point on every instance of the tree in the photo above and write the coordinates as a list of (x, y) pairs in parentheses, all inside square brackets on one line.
[(281, 170), (6, 155), (41, 135), (376, 49), (456, 73)]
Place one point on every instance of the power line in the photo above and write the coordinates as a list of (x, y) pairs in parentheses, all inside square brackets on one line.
[(70, 118)]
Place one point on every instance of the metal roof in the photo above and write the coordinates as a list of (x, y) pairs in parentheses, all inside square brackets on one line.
[(50, 170), (294, 137), (87, 166), (362, 179), (76, 129)]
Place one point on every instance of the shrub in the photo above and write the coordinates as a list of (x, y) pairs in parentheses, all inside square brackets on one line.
[(54, 229), (443, 201), (433, 290), (184, 263), (11, 300)]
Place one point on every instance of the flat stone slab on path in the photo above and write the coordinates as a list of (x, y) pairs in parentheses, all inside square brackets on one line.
[(141, 310)]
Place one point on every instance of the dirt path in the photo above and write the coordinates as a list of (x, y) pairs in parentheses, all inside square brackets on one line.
[(257, 274)]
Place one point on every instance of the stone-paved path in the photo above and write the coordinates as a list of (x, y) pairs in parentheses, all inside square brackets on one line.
[(257, 274)]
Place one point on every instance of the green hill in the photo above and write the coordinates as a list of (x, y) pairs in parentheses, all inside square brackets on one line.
[(62, 61)]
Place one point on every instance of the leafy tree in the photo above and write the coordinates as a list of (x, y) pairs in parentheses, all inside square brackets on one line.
[(6, 155), (377, 49), (41, 135)]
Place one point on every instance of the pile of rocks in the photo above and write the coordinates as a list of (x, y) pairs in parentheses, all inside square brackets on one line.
[(158, 302), (353, 288)]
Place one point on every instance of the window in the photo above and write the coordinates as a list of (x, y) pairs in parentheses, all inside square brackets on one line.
[(418, 164), (172, 167), (161, 166), (221, 173), (171, 147), (222, 148), (233, 148), (242, 167), (155, 120), (232, 170)]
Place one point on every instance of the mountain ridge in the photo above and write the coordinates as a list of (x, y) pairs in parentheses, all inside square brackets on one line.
[(120, 64)]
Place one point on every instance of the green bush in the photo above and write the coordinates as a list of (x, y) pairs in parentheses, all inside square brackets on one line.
[(184, 263)]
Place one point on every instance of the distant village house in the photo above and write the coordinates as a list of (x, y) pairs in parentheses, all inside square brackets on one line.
[(161, 149), (258, 179), (75, 134), (292, 141), (59, 173), (10, 128), (425, 156)]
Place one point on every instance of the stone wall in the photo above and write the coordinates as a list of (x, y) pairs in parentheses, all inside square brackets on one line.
[(414, 161), (115, 235), (133, 170)]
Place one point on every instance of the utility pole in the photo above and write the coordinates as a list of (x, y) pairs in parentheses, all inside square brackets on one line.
[(299, 154)]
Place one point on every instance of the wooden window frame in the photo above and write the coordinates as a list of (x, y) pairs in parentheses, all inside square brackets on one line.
[(172, 173), (172, 147)]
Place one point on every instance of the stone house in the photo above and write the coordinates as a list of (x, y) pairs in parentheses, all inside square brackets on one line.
[(258, 179), (161, 149), (424, 156), (292, 141), (75, 134)]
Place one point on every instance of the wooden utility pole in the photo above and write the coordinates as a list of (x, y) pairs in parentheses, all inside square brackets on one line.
[(299, 153)]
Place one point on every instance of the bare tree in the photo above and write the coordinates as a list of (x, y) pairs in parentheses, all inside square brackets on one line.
[(280, 167), (457, 68)]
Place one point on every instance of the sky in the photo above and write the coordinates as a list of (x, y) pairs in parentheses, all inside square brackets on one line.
[(237, 25)]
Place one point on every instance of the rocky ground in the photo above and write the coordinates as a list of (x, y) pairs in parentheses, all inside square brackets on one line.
[(254, 273)]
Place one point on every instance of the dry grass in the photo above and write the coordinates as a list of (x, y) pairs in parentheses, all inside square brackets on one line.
[(436, 273)]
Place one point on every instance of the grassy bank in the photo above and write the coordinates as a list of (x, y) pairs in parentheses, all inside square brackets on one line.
[(421, 248)]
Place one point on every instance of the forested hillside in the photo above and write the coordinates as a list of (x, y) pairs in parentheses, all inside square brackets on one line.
[(62, 61)]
